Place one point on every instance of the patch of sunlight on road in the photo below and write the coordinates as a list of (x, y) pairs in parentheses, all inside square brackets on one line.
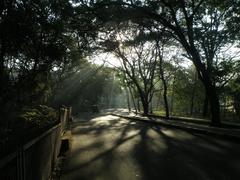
[(95, 144), (129, 142), (156, 142), (109, 148), (178, 134), (125, 162), (105, 118)]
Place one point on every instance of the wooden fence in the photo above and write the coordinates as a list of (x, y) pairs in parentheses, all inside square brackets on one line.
[(35, 160)]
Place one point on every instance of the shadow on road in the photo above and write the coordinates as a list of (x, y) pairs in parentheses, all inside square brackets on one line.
[(108, 147)]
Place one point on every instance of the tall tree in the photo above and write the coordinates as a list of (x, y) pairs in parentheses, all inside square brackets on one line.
[(179, 18), (139, 65), (39, 39)]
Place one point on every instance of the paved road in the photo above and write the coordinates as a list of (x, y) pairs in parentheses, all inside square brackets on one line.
[(109, 148)]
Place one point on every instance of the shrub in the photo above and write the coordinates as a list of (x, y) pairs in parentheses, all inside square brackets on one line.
[(40, 115)]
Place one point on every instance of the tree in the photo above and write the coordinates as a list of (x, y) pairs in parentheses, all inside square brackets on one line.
[(31, 42), (179, 18), (160, 50), (139, 65), (213, 35), (38, 39), (90, 85)]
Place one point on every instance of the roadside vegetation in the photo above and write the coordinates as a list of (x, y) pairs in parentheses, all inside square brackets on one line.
[(175, 58)]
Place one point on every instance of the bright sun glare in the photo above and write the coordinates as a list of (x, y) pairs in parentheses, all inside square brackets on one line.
[(107, 59)]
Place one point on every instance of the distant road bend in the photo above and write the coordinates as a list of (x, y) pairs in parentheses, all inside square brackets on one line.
[(106, 147)]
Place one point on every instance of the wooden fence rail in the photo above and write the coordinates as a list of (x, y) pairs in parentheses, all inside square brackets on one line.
[(35, 159)]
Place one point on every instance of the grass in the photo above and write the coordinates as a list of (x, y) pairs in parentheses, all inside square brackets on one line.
[(227, 118)]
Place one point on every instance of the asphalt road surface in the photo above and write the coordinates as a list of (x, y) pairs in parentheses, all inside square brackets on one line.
[(110, 148)]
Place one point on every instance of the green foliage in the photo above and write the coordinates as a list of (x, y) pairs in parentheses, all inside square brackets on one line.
[(39, 41), (234, 88), (39, 116), (89, 85)]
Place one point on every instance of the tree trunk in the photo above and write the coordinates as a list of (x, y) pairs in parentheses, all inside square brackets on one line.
[(145, 103), (151, 107), (165, 98), (138, 105), (236, 104), (128, 100), (133, 101), (161, 71), (145, 107), (3, 99), (209, 86), (214, 102), (192, 103), (193, 94), (210, 90), (2, 74), (205, 106), (172, 97)]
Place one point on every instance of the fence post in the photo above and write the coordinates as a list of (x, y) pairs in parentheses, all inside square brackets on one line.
[(18, 165), (70, 113), (21, 163)]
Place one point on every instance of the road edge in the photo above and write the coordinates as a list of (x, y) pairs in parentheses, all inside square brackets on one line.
[(189, 128)]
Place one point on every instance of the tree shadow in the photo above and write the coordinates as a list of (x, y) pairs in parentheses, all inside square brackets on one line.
[(197, 158), (125, 149), (104, 156)]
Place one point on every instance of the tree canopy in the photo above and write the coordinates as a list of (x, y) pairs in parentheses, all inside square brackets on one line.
[(42, 43)]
